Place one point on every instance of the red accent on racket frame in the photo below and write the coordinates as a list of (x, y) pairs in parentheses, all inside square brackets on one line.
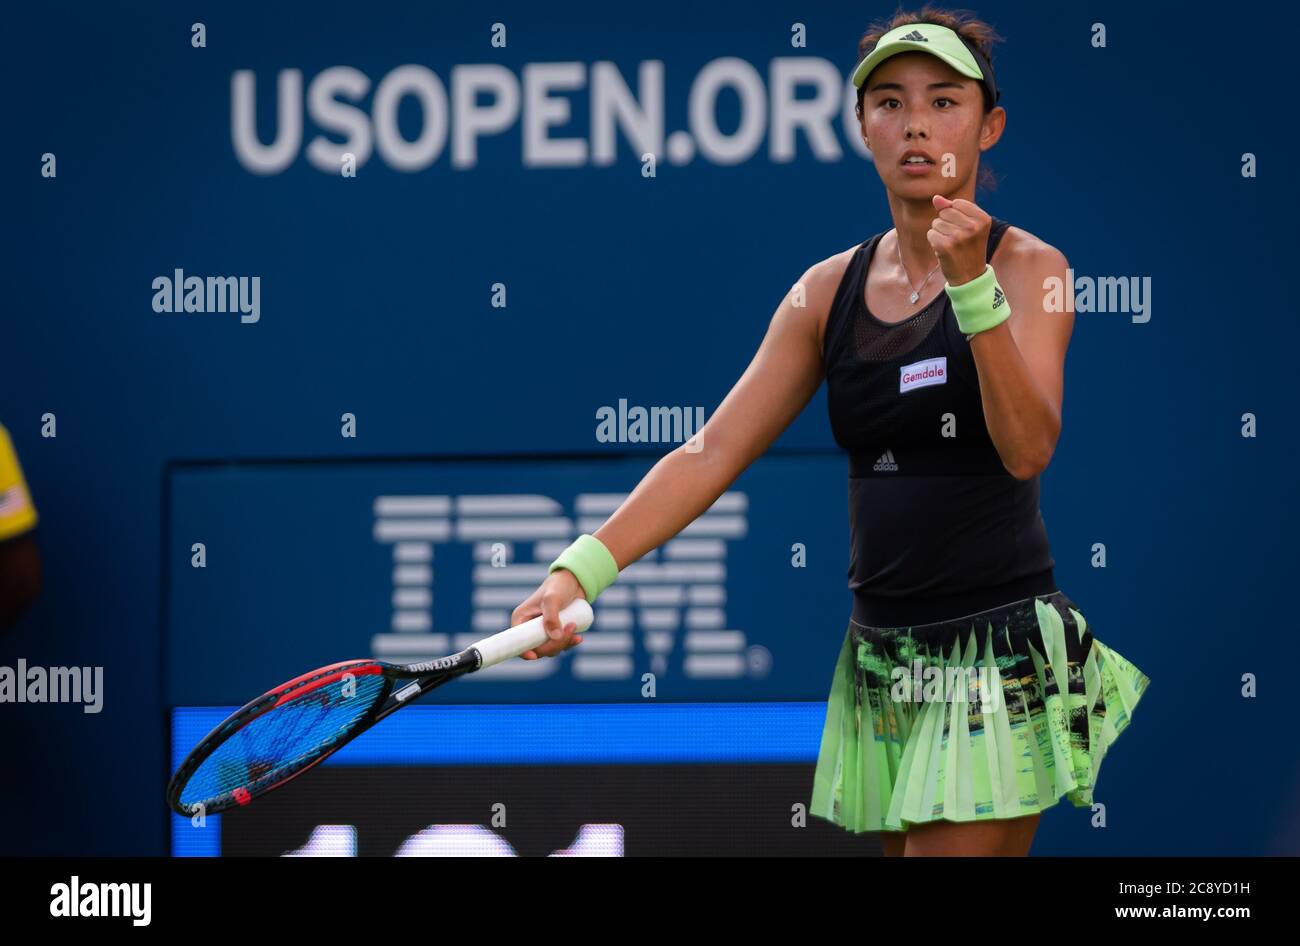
[(287, 691)]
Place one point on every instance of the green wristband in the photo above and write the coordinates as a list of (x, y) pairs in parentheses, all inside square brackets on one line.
[(591, 563), (979, 304)]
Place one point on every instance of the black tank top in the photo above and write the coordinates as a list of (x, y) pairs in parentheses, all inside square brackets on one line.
[(938, 528)]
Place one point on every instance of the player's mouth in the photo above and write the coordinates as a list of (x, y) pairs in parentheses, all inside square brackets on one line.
[(916, 163)]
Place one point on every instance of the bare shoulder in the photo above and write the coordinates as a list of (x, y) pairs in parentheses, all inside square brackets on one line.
[(1020, 252), (1032, 272), (819, 284)]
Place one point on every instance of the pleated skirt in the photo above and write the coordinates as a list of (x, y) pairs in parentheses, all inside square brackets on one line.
[(999, 714)]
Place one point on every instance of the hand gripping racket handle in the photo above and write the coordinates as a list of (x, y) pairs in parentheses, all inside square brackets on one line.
[(529, 635)]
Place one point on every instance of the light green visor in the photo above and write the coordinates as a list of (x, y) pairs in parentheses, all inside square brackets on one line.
[(938, 41)]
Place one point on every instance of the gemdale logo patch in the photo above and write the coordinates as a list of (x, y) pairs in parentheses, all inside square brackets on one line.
[(922, 374)]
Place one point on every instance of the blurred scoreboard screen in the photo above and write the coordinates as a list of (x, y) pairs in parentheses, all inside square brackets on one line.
[(610, 781), (687, 722)]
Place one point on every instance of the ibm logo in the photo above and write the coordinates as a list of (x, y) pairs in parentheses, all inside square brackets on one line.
[(673, 600)]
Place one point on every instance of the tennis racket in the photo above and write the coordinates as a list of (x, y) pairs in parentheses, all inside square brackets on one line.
[(286, 731)]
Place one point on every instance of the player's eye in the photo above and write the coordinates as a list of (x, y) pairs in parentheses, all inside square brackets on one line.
[(940, 101)]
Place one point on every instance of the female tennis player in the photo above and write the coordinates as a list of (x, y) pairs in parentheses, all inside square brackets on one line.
[(970, 693)]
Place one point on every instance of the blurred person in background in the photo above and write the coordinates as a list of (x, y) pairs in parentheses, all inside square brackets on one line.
[(20, 559)]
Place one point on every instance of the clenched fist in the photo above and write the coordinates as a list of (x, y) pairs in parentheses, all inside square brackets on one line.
[(959, 236)]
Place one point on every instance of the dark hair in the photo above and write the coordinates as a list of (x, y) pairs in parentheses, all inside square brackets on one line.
[(962, 22)]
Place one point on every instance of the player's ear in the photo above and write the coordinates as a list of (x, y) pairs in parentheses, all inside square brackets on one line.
[(995, 122)]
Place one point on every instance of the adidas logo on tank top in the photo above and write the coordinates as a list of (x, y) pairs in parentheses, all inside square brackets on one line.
[(886, 463)]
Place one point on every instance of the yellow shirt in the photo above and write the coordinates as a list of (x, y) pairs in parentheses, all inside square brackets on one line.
[(17, 514)]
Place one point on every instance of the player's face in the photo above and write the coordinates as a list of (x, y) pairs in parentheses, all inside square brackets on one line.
[(923, 122)]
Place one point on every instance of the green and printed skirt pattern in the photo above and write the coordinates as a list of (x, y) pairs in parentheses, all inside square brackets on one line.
[(995, 715)]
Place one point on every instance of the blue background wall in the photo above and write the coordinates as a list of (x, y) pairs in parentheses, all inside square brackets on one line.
[(375, 300)]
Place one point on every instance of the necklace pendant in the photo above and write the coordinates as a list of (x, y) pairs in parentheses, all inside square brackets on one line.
[(914, 297)]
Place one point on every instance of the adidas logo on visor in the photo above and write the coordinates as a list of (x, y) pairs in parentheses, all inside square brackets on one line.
[(914, 37), (886, 463)]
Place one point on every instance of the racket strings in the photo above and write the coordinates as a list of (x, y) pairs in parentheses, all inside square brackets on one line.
[(284, 739)]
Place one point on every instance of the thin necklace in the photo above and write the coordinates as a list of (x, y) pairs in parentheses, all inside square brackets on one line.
[(916, 293)]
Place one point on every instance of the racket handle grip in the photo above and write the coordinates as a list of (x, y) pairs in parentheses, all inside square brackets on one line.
[(529, 635)]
